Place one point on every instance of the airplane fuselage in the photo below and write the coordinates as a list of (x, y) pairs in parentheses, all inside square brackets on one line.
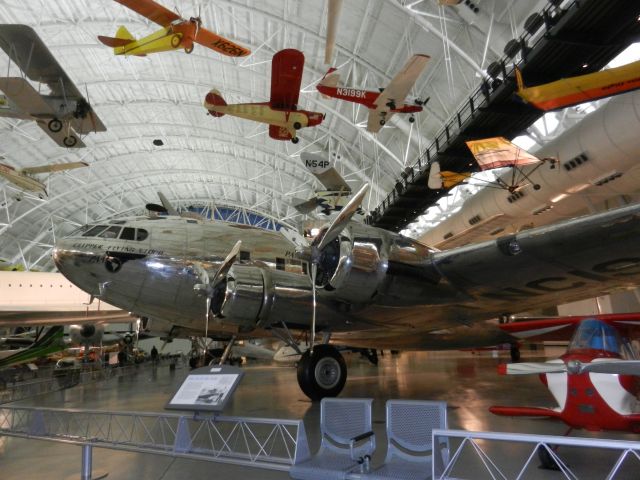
[(163, 40), (364, 97), (595, 401)]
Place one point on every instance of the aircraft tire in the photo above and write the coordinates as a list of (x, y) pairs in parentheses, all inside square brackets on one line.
[(412, 119), (515, 353), (382, 122), (175, 40), (70, 141), (297, 125), (189, 50), (55, 125), (295, 140), (322, 374)]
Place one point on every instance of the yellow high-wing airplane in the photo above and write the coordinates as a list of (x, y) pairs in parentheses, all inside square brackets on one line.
[(176, 33)]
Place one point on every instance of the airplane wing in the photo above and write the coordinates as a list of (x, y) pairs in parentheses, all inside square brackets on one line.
[(57, 167), (396, 92), (324, 171), (151, 10), (499, 152), (32, 318), (286, 78), (303, 206), (26, 98), (24, 47), (562, 328), (220, 44)]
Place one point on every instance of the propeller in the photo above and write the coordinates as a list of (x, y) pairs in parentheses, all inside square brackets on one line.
[(207, 286), (573, 367), (324, 238)]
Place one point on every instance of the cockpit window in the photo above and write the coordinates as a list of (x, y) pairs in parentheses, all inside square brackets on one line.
[(597, 335), (142, 234), (92, 232), (111, 232), (128, 233)]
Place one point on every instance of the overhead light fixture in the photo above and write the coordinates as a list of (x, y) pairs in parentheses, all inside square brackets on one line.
[(578, 188), (585, 65), (559, 197)]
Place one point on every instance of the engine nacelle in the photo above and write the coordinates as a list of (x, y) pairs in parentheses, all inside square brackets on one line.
[(255, 295), (86, 333), (354, 265)]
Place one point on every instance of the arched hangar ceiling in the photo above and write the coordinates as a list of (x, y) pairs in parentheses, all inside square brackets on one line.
[(229, 161)]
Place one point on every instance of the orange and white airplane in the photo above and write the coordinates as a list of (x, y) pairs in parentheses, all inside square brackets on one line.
[(281, 111), (176, 33), (383, 104), (583, 88), (23, 180)]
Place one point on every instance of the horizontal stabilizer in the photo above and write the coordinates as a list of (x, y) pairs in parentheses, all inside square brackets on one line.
[(524, 412), (58, 167), (212, 100), (113, 42), (531, 368)]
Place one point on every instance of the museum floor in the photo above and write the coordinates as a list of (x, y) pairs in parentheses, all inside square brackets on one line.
[(467, 382)]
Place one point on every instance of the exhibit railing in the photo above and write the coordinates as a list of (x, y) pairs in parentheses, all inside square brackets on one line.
[(503, 456), (62, 379), (256, 442)]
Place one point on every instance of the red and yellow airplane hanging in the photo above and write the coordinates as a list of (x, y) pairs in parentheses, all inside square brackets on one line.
[(176, 33), (583, 88), (383, 104), (281, 111)]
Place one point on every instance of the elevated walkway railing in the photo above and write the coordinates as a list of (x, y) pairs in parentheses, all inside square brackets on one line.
[(498, 454), (254, 442)]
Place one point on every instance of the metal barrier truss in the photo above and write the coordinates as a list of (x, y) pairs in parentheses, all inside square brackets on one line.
[(504, 463), (257, 442)]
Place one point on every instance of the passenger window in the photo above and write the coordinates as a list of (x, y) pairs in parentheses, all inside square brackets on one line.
[(142, 234), (94, 231), (111, 232), (128, 233), (279, 263)]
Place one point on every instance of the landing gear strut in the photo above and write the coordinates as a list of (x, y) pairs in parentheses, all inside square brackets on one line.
[(323, 373), (515, 353)]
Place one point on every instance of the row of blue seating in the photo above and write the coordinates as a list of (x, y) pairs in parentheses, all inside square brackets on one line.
[(348, 441)]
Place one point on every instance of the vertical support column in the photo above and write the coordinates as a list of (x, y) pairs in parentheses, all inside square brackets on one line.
[(85, 472)]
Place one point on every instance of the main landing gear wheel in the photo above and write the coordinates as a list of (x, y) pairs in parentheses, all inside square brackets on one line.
[(412, 119), (70, 141), (297, 125), (515, 353), (382, 122), (55, 125), (175, 41), (295, 140), (189, 49), (323, 373)]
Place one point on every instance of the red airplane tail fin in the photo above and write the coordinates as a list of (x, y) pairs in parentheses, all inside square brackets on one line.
[(214, 99), (330, 79), (113, 42), (524, 412)]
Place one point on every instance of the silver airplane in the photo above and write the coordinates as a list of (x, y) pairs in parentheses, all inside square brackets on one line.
[(373, 288)]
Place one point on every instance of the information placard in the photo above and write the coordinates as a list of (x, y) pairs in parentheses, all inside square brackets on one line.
[(206, 389)]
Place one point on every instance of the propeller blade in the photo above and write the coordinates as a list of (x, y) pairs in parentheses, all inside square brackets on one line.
[(154, 207), (314, 272), (167, 205), (615, 367), (226, 265), (326, 236), (531, 368)]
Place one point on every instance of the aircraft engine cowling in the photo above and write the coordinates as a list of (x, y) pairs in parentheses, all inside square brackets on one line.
[(354, 265), (86, 334), (253, 295)]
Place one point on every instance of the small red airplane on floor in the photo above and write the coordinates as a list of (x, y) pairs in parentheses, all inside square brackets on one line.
[(383, 104), (176, 33), (595, 383), (281, 111)]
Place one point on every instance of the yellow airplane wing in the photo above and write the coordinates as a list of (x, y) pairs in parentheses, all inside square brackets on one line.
[(497, 152)]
